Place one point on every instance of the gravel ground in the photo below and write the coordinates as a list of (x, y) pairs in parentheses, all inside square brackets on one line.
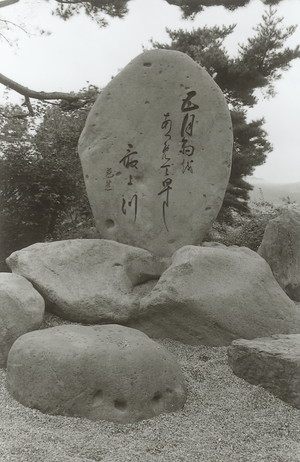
[(224, 419)]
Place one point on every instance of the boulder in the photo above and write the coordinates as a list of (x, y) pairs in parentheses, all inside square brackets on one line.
[(21, 311), (273, 363), (280, 247), (156, 153), (89, 280), (105, 372), (212, 295)]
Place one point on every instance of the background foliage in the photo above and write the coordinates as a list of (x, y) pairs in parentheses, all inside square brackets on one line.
[(248, 230), (42, 189)]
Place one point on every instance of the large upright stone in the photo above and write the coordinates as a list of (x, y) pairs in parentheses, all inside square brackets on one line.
[(156, 153), (280, 247)]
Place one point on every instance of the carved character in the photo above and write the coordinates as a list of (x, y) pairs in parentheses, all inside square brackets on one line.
[(187, 105)]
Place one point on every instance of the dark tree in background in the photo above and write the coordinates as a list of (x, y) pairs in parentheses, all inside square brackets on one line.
[(93, 8), (42, 191), (258, 64), (119, 8), (189, 8)]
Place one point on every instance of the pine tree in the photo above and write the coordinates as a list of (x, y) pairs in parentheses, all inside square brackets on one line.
[(190, 8), (41, 181), (259, 63)]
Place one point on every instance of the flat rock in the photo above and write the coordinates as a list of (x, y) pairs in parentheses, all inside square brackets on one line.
[(273, 363), (105, 372), (280, 247), (156, 153), (21, 311), (88, 280), (212, 295)]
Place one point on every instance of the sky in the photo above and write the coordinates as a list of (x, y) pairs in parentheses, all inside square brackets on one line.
[(72, 54)]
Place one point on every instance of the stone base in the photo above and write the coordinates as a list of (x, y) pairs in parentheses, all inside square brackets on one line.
[(105, 372), (273, 363)]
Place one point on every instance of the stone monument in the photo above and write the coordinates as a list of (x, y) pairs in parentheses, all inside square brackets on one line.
[(156, 153), (156, 156)]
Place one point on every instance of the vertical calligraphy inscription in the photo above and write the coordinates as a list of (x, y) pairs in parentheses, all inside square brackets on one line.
[(166, 159), (186, 133), (130, 162)]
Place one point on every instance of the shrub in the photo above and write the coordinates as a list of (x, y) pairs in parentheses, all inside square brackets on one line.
[(247, 230)]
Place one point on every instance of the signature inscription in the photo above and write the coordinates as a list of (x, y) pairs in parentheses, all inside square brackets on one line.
[(108, 179)]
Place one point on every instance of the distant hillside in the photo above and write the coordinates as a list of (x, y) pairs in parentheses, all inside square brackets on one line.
[(273, 192)]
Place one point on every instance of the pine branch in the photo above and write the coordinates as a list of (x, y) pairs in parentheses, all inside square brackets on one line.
[(3, 36), (6, 22), (69, 2), (41, 95), (66, 101), (4, 3)]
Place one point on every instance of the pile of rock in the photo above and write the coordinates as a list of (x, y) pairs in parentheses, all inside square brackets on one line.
[(156, 161), (207, 295), (203, 295)]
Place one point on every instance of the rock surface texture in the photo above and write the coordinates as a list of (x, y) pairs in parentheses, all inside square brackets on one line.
[(102, 373), (21, 311), (89, 280), (212, 295), (280, 247), (273, 363), (156, 153)]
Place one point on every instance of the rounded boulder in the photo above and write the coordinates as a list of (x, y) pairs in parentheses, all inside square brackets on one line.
[(107, 372), (21, 310), (280, 248), (213, 295)]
